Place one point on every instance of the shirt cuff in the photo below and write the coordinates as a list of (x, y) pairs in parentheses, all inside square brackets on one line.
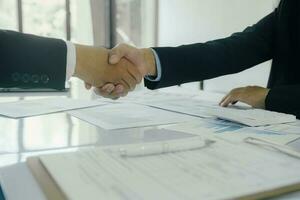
[(71, 60), (158, 69)]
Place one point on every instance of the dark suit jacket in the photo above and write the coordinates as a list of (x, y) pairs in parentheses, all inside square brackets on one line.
[(277, 37), (28, 61)]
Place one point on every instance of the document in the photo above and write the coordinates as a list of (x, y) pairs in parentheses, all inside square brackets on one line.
[(188, 106), (289, 128), (127, 115), (218, 171), (146, 97), (239, 114), (233, 132), (296, 123), (29, 108), (250, 116)]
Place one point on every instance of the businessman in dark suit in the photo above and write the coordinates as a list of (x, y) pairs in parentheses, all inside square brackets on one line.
[(29, 61), (276, 37)]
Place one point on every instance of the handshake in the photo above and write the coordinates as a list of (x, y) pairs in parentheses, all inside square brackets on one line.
[(113, 72)]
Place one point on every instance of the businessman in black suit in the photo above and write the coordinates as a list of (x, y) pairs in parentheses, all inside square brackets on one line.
[(29, 61), (276, 37)]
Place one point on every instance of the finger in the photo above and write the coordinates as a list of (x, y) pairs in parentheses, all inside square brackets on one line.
[(119, 90), (117, 53), (124, 94), (223, 99), (100, 92), (106, 90), (228, 101), (129, 81), (87, 86), (134, 72), (103, 93), (110, 96)]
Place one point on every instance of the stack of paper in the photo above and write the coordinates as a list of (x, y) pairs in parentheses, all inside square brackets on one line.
[(216, 171)]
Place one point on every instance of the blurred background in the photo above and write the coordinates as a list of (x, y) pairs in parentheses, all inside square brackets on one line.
[(144, 23)]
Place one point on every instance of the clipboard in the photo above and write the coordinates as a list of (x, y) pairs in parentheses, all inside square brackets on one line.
[(53, 191), (44, 179)]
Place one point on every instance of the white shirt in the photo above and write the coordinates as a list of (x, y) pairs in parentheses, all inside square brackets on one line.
[(71, 60), (71, 63)]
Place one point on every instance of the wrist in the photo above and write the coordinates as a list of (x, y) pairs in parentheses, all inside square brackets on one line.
[(265, 97), (81, 56), (91, 63), (150, 62)]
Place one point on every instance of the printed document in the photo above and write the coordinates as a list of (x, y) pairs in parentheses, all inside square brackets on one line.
[(239, 114), (126, 115), (29, 108), (233, 132), (219, 171)]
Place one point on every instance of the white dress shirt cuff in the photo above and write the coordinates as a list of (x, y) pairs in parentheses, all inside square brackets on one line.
[(71, 60), (158, 69)]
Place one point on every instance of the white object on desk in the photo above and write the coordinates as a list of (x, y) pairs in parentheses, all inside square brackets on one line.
[(268, 145), (251, 117), (189, 106), (243, 115), (148, 97), (232, 132), (126, 115), (29, 108), (290, 128), (194, 143), (221, 171)]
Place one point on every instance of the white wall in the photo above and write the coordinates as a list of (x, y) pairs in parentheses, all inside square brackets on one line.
[(192, 21)]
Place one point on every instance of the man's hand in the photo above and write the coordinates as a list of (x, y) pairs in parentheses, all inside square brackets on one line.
[(92, 66), (252, 95), (143, 59)]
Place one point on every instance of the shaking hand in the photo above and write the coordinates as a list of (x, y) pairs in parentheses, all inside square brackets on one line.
[(142, 59), (92, 66)]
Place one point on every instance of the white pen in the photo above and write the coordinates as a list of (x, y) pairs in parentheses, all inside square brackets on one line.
[(283, 149), (164, 147)]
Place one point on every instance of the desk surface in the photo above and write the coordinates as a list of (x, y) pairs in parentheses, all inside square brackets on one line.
[(20, 138)]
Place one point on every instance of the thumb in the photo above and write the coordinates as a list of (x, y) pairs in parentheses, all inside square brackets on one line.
[(117, 53)]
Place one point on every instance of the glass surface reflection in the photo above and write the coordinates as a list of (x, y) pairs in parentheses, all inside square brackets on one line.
[(60, 132)]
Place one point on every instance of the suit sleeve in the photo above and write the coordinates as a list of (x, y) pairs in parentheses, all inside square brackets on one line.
[(230, 55), (28, 61), (284, 99)]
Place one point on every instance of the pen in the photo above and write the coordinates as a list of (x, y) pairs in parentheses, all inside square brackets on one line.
[(165, 147), (283, 149)]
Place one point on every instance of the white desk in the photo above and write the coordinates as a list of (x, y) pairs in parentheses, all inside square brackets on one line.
[(60, 132)]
